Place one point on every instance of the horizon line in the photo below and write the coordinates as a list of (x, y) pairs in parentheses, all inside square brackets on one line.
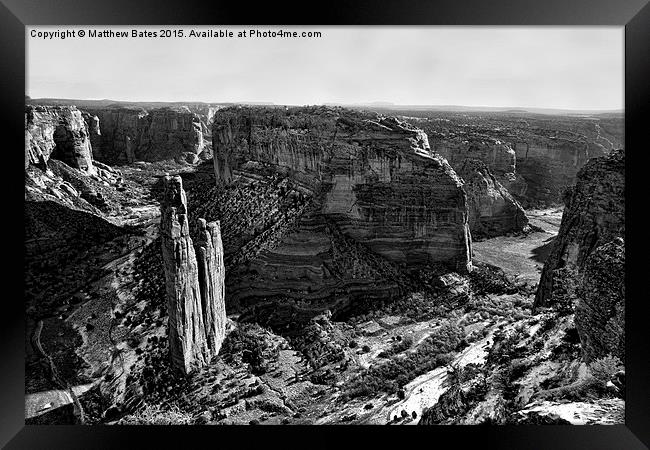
[(376, 104)]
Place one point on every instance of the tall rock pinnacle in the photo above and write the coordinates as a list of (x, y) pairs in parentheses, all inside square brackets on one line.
[(211, 283), (195, 294)]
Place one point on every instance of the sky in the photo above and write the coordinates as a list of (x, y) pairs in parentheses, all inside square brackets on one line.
[(544, 67)]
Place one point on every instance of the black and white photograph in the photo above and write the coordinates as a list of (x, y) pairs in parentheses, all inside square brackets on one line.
[(324, 225)]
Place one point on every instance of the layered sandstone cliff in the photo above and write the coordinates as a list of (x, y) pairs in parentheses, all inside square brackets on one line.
[(134, 134), (376, 176), (377, 197), (492, 210), (535, 157), (497, 155), (594, 215), (194, 283), (550, 166), (57, 132), (588, 254)]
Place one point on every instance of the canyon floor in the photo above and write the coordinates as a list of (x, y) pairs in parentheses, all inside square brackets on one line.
[(97, 353)]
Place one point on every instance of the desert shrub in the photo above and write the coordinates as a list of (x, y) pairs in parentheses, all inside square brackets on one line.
[(489, 279), (603, 369), (158, 415), (250, 344), (468, 372), (435, 351), (398, 347), (321, 345), (564, 290)]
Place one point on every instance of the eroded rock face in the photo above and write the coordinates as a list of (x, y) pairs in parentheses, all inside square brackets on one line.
[(377, 199), (133, 134), (376, 176), (120, 133), (195, 300), (492, 210), (600, 312), (94, 131), (58, 132), (211, 283), (593, 216), (550, 166), (549, 150), (587, 261), (498, 156)]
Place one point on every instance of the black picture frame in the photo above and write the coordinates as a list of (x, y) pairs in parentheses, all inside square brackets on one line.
[(634, 15)]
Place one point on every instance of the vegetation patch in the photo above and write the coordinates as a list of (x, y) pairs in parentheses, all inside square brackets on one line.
[(392, 375)]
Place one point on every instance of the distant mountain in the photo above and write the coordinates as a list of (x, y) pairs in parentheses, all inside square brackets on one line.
[(460, 108), (377, 105)]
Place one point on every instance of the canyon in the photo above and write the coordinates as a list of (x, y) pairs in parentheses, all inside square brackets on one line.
[(536, 157), (228, 264)]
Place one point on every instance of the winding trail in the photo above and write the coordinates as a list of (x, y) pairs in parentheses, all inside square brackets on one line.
[(40, 403), (425, 390), (43, 402)]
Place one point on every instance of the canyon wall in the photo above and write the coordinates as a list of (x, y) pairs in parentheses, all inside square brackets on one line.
[(588, 251), (536, 157), (57, 132), (134, 134), (492, 210), (497, 155), (600, 310), (550, 166), (379, 199), (488, 168), (377, 177), (194, 283), (59, 163)]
